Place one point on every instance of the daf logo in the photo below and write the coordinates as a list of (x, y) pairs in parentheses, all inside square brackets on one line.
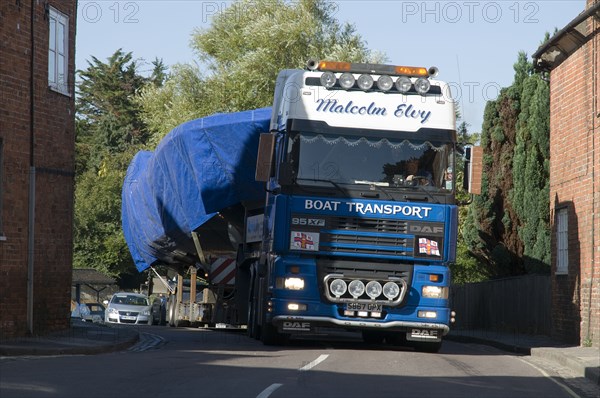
[(424, 333), (296, 325), (426, 229)]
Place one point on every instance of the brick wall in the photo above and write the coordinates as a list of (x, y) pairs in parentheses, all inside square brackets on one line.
[(575, 185), (53, 161)]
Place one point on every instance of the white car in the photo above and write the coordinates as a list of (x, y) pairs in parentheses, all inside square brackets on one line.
[(129, 308)]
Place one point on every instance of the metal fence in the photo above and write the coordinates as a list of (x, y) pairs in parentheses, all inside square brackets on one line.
[(515, 305)]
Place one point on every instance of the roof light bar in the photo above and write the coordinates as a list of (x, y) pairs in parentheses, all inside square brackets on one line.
[(378, 69)]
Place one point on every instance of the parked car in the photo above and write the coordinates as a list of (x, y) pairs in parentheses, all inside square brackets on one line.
[(129, 308), (96, 313), (159, 311), (79, 311)]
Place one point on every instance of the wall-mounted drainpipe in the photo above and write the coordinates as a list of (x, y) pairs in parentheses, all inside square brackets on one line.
[(31, 207)]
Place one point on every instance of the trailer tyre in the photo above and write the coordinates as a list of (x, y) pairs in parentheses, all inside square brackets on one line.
[(253, 326), (172, 311)]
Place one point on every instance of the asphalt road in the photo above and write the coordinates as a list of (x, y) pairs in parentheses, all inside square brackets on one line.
[(190, 363)]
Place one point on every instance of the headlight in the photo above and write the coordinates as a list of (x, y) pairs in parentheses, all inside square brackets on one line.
[(373, 289), (338, 287), (365, 82), (146, 311), (391, 290), (436, 292), (347, 80), (403, 84), (422, 85), (293, 283), (356, 288), (385, 83), (328, 79), (112, 310)]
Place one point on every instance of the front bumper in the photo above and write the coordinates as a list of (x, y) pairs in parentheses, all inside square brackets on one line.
[(139, 320), (304, 323)]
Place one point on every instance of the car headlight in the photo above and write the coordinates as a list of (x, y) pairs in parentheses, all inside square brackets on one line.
[(436, 292), (112, 310), (146, 312), (293, 283)]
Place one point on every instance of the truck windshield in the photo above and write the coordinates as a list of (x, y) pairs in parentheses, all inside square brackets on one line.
[(373, 161)]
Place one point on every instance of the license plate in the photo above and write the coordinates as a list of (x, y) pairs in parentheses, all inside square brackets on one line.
[(364, 307), (128, 318)]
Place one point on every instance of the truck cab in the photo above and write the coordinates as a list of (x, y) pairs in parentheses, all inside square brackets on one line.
[(360, 218)]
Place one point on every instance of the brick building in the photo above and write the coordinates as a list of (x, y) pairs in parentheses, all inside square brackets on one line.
[(37, 145), (572, 58)]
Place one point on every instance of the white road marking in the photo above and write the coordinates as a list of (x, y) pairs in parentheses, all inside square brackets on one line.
[(266, 393), (314, 363), (269, 390), (565, 387)]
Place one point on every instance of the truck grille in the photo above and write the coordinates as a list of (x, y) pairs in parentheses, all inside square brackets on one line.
[(368, 224), (366, 236)]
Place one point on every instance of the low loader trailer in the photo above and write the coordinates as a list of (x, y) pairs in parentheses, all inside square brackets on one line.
[(334, 208)]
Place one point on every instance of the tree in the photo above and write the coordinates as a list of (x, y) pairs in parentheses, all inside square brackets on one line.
[(508, 224), (241, 54), (109, 132), (107, 114), (531, 191), (98, 237)]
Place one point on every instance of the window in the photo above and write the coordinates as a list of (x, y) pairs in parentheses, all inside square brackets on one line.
[(562, 241), (58, 46)]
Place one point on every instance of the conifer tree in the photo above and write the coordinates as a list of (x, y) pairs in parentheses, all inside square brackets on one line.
[(530, 194), (508, 223)]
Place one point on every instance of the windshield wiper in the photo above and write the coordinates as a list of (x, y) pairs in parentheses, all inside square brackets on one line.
[(335, 184), (422, 188), (376, 186)]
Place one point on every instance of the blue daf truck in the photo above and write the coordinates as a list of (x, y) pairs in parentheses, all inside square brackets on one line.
[(333, 209)]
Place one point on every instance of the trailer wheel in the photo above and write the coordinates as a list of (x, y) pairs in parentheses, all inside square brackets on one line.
[(180, 323), (253, 327), (172, 311)]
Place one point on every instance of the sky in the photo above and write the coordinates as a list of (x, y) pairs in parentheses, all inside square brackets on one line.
[(473, 43)]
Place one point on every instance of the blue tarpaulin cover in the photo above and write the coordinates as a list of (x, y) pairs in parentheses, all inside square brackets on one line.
[(199, 168)]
